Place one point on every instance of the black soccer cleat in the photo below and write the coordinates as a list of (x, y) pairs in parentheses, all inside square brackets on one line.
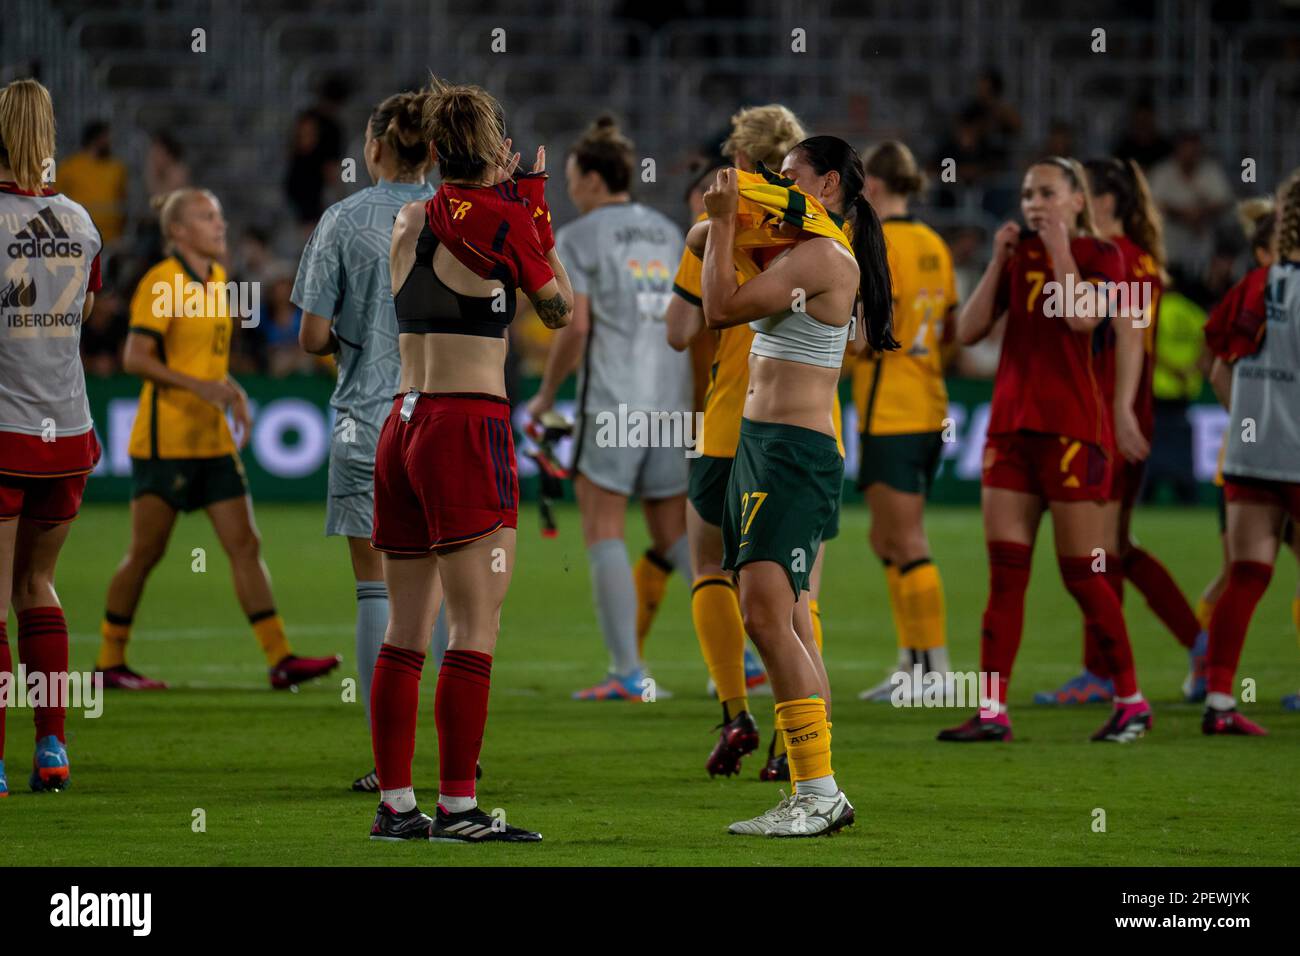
[(777, 766), (978, 730), (392, 826), (366, 783), (738, 738), (475, 826)]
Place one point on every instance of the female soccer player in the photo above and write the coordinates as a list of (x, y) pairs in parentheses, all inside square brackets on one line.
[(618, 254), (446, 491), (345, 294), (1125, 214), (1049, 435), (47, 438), (784, 486), (902, 403), (759, 134), (183, 456), (1257, 366)]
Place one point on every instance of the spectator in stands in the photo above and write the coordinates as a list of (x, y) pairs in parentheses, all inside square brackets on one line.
[(315, 153), (1193, 193), (165, 168), (279, 328), (1060, 139), (97, 179), (1176, 383), (999, 122), (1142, 140), (975, 158)]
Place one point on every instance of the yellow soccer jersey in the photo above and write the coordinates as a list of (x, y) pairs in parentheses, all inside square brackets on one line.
[(193, 335), (724, 402), (902, 392)]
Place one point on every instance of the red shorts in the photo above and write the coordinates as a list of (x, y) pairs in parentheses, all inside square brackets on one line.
[(444, 474), (1126, 481), (47, 500), (1283, 494), (1053, 467)]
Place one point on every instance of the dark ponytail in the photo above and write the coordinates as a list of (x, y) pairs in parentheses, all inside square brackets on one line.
[(875, 290)]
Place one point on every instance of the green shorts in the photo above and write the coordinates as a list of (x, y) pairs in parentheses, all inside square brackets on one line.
[(708, 487), (189, 483), (906, 463), (784, 492)]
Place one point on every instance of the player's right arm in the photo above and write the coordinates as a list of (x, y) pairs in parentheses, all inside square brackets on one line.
[(317, 289), (143, 353), (979, 313)]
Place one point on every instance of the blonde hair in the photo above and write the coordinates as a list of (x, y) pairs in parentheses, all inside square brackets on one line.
[(26, 132), (1288, 217), (1258, 219), (764, 134), (893, 164), (1078, 177), (171, 207), (466, 126)]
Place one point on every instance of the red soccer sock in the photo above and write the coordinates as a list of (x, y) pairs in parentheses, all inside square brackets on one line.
[(6, 669), (460, 709), (1094, 659), (43, 649), (1004, 615), (1162, 594), (1103, 618), (394, 708), (1247, 582)]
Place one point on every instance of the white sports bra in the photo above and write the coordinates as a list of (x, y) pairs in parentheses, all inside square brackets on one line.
[(798, 337)]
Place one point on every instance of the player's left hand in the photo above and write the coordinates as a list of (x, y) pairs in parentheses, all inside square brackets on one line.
[(538, 406), (539, 164), (723, 197), (1132, 444)]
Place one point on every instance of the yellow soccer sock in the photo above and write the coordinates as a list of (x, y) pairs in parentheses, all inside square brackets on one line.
[(815, 613), (778, 742), (268, 627), (807, 737), (1205, 611), (891, 582), (650, 576), (921, 605), (715, 610), (114, 633)]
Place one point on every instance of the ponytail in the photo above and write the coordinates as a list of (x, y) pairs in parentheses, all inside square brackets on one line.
[(1134, 207), (398, 122), (875, 288), (26, 132)]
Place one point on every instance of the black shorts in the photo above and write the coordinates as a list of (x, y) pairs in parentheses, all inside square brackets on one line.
[(708, 487), (906, 463), (189, 483)]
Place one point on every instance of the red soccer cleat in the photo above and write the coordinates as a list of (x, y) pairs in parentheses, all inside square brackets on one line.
[(1229, 723), (123, 678), (738, 738), (294, 670), (979, 729)]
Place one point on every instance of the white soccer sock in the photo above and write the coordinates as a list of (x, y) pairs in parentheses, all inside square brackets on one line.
[(1216, 701), (615, 597), (1129, 700), (402, 800), (456, 804), (818, 786)]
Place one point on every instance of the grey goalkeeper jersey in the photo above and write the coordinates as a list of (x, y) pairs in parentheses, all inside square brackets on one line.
[(623, 257), (1264, 435), (343, 275), (49, 247)]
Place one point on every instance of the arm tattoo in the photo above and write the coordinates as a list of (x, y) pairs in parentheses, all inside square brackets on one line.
[(552, 311)]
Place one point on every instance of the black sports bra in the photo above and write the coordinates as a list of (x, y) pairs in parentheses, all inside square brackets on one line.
[(426, 304)]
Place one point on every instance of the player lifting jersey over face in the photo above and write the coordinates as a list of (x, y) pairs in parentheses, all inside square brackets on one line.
[(446, 491)]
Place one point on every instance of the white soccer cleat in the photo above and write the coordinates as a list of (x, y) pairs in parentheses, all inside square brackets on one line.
[(808, 815), (761, 824)]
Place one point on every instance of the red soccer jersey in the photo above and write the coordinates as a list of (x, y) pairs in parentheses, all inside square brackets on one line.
[(1047, 378), (1235, 328), (500, 232), (1142, 280)]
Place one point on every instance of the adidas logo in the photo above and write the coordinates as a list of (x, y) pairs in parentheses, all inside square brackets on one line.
[(18, 294), (44, 236)]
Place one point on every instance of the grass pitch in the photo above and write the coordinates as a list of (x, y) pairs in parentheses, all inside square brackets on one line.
[(624, 784)]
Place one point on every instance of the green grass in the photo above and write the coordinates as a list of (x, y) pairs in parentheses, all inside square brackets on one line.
[(625, 783)]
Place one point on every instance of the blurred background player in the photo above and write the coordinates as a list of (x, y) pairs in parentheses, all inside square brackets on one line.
[(446, 485), (1049, 445), (1257, 348), (183, 456), (345, 294), (902, 403), (618, 255), (47, 438), (788, 456), (1125, 214), (1258, 220), (759, 134)]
